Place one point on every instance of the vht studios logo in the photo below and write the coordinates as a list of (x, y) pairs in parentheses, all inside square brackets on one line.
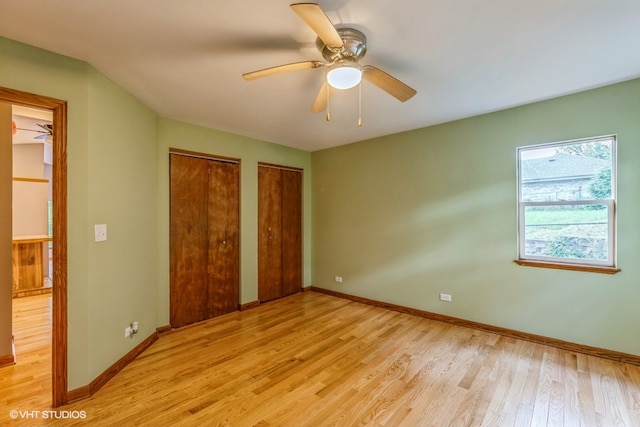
[(58, 415)]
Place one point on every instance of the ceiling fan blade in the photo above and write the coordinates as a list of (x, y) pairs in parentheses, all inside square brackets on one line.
[(315, 18), (47, 127), (320, 103), (282, 69), (388, 83)]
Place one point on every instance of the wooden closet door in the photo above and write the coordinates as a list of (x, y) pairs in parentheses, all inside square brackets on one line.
[(269, 233), (188, 240), (224, 227), (291, 207)]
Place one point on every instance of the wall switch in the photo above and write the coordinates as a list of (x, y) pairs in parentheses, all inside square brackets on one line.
[(339, 279), (100, 232), (445, 297)]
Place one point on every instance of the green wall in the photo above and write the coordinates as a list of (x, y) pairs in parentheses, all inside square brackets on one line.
[(118, 175), (122, 194), (44, 73), (173, 134), (401, 218), (111, 180), (405, 217)]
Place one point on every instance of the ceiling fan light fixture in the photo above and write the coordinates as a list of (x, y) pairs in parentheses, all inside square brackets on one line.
[(344, 75)]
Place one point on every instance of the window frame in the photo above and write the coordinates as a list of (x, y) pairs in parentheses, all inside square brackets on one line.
[(610, 264)]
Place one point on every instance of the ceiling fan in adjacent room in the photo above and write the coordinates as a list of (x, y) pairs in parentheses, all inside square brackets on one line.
[(342, 48), (45, 133)]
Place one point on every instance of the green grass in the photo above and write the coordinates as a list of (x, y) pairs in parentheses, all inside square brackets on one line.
[(564, 216), (552, 224)]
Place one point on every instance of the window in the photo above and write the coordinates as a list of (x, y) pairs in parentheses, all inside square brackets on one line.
[(566, 203)]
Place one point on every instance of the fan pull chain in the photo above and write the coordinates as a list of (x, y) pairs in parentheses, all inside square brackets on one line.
[(328, 102), (360, 103)]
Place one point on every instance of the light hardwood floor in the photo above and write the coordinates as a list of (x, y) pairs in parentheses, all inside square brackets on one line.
[(27, 384), (317, 360)]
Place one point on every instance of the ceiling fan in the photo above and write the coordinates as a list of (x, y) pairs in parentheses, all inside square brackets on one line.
[(342, 48), (44, 134)]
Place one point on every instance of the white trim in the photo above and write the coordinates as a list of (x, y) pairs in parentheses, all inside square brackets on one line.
[(610, 204), (612, 137), (609, 262)]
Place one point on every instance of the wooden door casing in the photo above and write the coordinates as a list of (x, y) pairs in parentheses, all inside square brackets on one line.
[(59, 341)]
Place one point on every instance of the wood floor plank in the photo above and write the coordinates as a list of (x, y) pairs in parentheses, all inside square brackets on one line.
[(614, 405), (630, 375), (316, 360), (572, 390), (489, 386), (27, 384)]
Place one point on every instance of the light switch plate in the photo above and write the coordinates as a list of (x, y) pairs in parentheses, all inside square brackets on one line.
[(101, 232)]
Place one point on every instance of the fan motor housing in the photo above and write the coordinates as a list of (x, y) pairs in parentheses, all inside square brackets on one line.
[(355, 46)]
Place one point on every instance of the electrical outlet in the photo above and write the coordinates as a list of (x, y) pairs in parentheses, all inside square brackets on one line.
[(100, 232), (445, 297), (127, 332), (338, 279)]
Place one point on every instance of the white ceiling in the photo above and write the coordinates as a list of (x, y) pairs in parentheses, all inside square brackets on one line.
[(29, 122), (184, 59)]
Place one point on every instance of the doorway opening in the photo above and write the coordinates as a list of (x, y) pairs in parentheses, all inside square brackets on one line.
[(57, 132), (32, 207)]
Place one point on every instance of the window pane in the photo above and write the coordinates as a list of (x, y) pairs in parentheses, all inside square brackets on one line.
[(566, 231), (577, 171)]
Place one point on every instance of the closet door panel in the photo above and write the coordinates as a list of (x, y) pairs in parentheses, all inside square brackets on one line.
[(189, 240), (291, 231), (224, 227), (269, 234)]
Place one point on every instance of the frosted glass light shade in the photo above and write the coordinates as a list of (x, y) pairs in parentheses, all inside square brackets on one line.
[(343, 75)]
